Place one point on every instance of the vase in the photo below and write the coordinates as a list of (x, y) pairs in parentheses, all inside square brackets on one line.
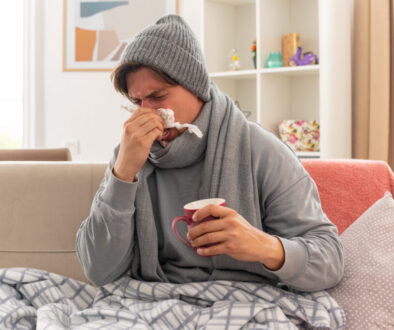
[(275, 60), (254, 61)]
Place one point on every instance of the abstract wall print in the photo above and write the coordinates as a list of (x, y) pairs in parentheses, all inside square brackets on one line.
[(95, 32)]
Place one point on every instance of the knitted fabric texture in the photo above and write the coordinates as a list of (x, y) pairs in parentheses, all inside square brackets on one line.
[(171, 46)]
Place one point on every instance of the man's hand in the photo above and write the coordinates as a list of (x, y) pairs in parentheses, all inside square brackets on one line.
[(234, 236), (139, 132)]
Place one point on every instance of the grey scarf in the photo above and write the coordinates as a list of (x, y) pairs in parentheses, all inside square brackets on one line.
[(227, 173)]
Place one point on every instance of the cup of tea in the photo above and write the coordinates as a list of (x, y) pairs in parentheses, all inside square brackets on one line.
[(189, 209)]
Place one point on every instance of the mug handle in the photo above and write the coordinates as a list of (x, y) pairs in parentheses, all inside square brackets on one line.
[(175, 230)]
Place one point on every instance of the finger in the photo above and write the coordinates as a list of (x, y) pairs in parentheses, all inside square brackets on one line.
[(209, 238), (143, 125), (206, 227), (148, 126), (144, 110), (213, 210), (144, 113), (138, 112), (145, 117), (213, 250), (154, 135)]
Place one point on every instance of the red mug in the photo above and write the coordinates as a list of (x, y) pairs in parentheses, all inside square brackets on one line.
[(189, 209)]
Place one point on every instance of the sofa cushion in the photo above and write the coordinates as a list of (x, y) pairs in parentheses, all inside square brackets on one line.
[(366, 292), (347, 187)]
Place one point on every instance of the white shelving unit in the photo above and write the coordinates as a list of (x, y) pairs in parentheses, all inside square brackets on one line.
[(294, 70), (315, 92)]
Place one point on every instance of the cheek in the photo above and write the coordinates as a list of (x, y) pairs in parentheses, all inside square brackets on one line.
[(165, 104), (175, 106), (180, 115), (179, 106)]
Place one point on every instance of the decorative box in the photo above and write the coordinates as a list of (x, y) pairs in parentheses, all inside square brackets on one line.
[(300, 135), (290, 43)]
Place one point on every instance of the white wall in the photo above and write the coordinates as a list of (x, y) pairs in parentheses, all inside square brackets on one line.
[(73, 106)]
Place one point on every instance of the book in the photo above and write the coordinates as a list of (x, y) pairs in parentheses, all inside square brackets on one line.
[(290, 43)]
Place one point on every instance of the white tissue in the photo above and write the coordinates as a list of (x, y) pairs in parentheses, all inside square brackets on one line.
[(168, 116)]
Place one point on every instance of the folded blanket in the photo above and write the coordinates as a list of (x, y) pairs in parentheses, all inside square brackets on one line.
[(31, 298)]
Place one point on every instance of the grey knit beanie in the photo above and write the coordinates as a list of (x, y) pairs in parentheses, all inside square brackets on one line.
[(171, 46)]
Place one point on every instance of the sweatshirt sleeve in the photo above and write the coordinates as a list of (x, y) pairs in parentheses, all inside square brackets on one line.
[(291, 210), (105, 239)]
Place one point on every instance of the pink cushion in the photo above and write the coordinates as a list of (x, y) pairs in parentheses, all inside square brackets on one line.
[(348, 187)]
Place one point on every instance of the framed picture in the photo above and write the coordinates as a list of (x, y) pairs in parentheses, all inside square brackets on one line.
[(95, 32)]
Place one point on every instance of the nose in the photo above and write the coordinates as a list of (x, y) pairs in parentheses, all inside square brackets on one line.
[(146, 103)]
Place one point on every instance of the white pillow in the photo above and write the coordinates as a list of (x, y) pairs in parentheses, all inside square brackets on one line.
[(366, 292)]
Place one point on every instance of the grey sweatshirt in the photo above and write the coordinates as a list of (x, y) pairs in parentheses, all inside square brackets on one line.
[(289, 204)]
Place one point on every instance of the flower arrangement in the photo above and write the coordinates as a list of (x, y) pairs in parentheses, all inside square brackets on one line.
[(253, 49), (234, 62)]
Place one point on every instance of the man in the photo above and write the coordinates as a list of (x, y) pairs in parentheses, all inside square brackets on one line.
[(273, 228)]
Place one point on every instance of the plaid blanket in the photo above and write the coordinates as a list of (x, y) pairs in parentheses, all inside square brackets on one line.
[(32, 298)]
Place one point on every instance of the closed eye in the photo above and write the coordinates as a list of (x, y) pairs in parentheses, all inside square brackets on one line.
[(158, 98), (153, 97), (135, 101)]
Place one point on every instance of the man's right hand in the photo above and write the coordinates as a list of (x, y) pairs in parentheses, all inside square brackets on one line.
[(139, 132)]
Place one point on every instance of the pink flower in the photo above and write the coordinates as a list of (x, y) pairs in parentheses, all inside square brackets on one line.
[(300, 122), (293, 139)]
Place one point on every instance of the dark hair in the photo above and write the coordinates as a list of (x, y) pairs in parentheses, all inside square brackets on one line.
[(118, 76)]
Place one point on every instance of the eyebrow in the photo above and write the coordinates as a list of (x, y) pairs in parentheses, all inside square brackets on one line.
[(150, 95)]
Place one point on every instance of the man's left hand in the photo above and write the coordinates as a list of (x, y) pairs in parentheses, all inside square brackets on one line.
[(231, 234)]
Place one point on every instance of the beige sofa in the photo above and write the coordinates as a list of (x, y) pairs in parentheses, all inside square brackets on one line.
[(42, 205)]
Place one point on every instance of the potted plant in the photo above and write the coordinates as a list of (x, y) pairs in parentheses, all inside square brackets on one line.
[(253, 49)]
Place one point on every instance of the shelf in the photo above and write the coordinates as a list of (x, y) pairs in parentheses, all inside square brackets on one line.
[(241, 74), (286, 71), (293, 70), (296, 92), (308, 154), (234, 2)]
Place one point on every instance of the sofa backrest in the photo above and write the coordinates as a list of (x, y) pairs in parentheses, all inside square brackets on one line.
[(42, 205), (348, 187), (46, 154)]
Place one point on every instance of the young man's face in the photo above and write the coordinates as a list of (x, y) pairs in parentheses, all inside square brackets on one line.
[(147, 90)]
